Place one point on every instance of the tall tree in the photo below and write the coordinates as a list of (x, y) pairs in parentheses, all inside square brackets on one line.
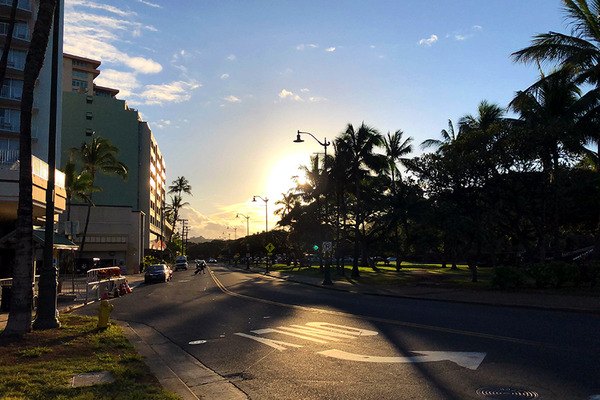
[(359, 144), (19, 318), (448, 136), (97, 157), (396, 150), (172, 210), (180, 185), (578, 52)]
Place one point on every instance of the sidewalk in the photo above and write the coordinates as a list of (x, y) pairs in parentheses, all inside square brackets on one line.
[(185, 376)]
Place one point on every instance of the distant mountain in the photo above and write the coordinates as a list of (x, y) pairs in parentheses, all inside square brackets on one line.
[(199, 239)]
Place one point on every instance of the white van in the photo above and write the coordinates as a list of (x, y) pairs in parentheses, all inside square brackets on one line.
[(181, 263)]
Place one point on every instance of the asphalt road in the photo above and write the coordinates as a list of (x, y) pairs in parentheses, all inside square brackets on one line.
[(280, 340)]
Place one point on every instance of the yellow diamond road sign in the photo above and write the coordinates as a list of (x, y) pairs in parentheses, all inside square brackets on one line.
[(270, 247)]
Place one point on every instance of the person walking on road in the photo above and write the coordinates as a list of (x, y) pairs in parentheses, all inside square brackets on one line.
[(200, 266)]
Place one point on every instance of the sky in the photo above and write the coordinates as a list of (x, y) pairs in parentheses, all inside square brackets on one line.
[(225, 85)]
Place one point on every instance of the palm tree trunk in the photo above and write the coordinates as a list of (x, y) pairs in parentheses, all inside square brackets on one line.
[(19, 317)]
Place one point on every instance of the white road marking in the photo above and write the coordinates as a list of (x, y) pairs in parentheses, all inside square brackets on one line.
[(343, 329), (276, 344), (463, 359), (270, 330), (197, 342)]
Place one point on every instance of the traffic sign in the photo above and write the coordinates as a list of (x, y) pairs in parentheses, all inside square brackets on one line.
[(327, 246), (270, 247)]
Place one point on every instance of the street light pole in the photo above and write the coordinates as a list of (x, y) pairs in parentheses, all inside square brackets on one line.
[(247, 234), (325, 144), (266, 200)]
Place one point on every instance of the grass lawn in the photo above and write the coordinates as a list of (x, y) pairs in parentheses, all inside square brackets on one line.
[(41, 364), (409, 274), (430, 275)]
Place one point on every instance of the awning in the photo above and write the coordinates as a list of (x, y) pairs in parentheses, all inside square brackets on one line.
[(61, 242)]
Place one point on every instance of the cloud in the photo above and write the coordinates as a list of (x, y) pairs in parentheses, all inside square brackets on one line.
[(126, 82), (302, 47), (285, 94), (231, 57), (232, 99), (317, 99), (305, 90), (174, 92), (143, 65), (224, 76), (330, 49), (428, 42), (150, 4), (93, 30)]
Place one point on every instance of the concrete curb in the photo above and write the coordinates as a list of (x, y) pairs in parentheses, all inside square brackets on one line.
[(176, 370)]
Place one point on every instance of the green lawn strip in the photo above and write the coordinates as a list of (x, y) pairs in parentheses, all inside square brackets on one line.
[(40, 365)]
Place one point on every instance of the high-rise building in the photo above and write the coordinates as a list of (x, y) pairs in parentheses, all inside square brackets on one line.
[(10, 114), (126, 220)]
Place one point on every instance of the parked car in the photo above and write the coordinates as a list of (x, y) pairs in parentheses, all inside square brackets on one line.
[(212, 260), (181, 263), (158, 273)]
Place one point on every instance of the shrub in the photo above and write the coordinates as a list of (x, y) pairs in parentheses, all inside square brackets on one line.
[(540, 273), (507, 278)]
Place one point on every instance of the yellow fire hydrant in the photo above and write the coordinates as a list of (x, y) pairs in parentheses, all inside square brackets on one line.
[(104, 314)]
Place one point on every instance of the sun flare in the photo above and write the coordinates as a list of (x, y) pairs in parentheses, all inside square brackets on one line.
[(281, 178)]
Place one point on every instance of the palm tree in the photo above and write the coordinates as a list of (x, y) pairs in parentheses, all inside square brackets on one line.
[(549, 111), (180, 185), (288, 201), (172, 210), (488, 114), (99, 156), (396, 151), (579, 52), (19, 317), (77, 186), (359, 144), (448, 136)]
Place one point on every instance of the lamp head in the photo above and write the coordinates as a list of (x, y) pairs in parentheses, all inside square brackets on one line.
[(253, 198), (298, 138)]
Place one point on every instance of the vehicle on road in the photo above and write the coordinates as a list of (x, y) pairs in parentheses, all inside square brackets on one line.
[(181, 263), (212, 260), (158, 273)]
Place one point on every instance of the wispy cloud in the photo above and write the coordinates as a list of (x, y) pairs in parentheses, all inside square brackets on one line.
[(150, 4), (174, 92), (231, 57), (429, 41), (94, 30), (465, 35), (302, 47), (232, 99), (330, 49), (224, 76), (287, 95)]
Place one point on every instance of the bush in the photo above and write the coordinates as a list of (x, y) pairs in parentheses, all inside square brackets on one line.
[(540, 273), (507, 278)]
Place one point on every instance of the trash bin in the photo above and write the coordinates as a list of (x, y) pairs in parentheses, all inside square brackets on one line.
[(6, 295)]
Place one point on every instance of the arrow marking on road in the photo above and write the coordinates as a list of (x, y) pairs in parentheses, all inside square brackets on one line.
[(463, 359)]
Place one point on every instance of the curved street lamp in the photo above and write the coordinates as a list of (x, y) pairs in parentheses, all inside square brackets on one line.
[(247, 234), (325, 144), (266, 200)]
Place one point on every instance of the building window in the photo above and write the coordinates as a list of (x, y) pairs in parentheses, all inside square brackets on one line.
[(21, 30), (12, 89), (88, 115), (22, 4), (80, 75), (89, 99), (16, 59), (10, 120), (77, 83), (80, 63), (89, 132)]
